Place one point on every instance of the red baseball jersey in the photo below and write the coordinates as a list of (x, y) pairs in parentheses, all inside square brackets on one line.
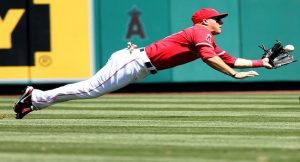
[(186, 46)]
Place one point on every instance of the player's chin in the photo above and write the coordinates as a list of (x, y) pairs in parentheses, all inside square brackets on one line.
[(217, 32)]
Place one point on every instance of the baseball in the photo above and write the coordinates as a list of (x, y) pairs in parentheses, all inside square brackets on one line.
[(289, 48)]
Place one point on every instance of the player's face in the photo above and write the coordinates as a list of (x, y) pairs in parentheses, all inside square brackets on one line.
[(215, 25)]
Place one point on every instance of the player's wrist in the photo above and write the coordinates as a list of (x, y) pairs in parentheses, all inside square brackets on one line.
[(257, 63), (234, 75)]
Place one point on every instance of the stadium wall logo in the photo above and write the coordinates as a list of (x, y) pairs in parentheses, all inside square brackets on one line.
[(25, 29), (135, 26), (45, 40)]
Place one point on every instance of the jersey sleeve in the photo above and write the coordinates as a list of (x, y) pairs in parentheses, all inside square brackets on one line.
[(203, 41), (206, 52)]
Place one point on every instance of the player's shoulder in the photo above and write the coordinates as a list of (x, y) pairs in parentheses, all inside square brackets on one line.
[(200, 34), (197, 33)]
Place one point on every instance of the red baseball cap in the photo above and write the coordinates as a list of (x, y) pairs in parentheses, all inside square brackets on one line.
[(206, 13)]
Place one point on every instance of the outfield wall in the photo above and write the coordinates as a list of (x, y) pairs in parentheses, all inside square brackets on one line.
[(58, 41)]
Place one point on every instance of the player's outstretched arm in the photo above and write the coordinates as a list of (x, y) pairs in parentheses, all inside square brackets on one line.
[(217, 63), (244, 63)]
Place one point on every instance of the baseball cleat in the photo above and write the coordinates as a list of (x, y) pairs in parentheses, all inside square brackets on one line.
[(24, 112), (24, 105)]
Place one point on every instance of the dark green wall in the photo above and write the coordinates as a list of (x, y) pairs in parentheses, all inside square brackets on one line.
[(250, 23)]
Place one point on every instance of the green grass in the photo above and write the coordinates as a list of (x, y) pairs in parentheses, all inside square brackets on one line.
[(158, 128)]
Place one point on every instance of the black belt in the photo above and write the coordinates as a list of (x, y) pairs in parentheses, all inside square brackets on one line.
[(149, 65)]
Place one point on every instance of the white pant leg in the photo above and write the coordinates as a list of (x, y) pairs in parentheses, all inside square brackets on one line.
[(121, 69)]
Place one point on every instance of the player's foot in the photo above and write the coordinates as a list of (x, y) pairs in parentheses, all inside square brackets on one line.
[(24, 112), (24, 105)]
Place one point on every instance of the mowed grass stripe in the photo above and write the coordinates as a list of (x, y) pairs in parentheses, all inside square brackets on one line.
[(245, 118), (157, 128), (158, 150), (178, 100), (173, 113), (183, 100), (233, 141), (175, 105), (104, 157), (152, 123)]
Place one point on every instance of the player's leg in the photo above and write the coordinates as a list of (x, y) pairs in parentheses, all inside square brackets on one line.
[(121, 70)]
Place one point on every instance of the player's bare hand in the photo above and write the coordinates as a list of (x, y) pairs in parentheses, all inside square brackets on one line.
[(241, 75), (266, 63)]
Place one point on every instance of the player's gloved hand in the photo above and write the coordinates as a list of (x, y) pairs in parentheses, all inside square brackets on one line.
[(131, 46), (266, 63), (241, 75), (278, 55)]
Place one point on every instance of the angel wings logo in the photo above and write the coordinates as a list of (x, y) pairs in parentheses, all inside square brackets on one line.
[(208, 38), (135, 26)]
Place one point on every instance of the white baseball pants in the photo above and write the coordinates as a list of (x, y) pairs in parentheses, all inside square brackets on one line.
[(122, 68)]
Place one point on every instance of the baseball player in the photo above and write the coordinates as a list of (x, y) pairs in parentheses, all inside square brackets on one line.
[(131, 64)]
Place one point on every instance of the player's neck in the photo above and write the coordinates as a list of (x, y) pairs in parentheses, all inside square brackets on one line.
[(206, 27)]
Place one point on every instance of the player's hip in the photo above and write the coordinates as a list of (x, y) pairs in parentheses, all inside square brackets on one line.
[(138, 55)]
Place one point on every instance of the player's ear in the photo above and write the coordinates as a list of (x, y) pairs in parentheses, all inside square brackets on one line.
[(204, 22)]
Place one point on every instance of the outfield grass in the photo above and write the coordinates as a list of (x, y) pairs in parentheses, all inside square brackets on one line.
[(159, 128)]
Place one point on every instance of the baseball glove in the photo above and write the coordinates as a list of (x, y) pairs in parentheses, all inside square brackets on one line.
[(278, 55)]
